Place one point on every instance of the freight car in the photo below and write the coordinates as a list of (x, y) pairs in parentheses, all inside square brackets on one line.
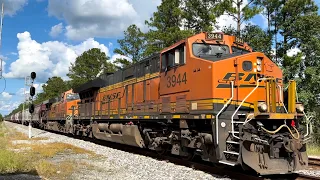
[(208, 95)]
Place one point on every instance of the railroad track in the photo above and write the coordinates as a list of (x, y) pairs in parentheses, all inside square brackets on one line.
[(223, 171), (315, 162)]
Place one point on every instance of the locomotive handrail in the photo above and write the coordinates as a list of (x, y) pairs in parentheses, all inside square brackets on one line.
[(307, 118), (280, 98), (308, 121), (232, 120), (217, 116), (280, 94)]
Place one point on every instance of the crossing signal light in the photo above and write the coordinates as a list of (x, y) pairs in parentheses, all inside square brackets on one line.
[(33, 75), (32, 91), (31, 108)]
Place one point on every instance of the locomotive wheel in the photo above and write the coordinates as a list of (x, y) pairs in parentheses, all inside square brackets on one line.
[(163, 150), (219, 165), (189, 157)]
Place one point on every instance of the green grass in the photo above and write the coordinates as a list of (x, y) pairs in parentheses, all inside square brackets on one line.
[(35, 158), (313, 150), (12, 162)]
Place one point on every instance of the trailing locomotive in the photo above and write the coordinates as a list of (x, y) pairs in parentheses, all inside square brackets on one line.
[(207, 95)]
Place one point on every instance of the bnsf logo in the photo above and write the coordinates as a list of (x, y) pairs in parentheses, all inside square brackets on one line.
[(244, 77), (241, 76), (110, 97)]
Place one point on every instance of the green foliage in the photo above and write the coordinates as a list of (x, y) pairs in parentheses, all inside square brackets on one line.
[(165, 23), (88, 66), (287, 20), (55, 86), (131, 46), (298, 22), (240, 14), (255, 36), (199, 15)]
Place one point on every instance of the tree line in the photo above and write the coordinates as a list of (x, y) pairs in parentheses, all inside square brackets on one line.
[(291, 24)]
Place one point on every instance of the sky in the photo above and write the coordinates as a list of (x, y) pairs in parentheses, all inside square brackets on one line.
[(45, 36)]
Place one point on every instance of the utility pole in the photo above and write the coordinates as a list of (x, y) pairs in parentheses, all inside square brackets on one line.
[(2, 12), (26, 96)]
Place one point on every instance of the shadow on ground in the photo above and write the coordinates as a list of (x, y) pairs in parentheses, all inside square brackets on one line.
[(21, 176)]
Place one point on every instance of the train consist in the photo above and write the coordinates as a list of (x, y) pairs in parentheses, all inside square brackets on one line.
[(208, 95)]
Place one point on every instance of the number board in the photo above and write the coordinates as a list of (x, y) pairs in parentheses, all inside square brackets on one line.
[(239, 40), (214, 36)]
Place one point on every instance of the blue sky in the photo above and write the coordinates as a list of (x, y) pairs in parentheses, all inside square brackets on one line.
[(46, 35)]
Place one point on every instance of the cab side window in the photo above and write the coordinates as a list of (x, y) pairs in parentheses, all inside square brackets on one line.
[(173, 57)]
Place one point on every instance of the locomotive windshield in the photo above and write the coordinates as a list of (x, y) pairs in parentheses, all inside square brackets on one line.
[(239, 50), (209, 49), (72, 96)]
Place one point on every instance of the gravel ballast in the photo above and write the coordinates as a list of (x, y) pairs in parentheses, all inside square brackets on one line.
[(116, 164)]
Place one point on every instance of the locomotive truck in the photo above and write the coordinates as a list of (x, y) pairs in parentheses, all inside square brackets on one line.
[(208, 95)]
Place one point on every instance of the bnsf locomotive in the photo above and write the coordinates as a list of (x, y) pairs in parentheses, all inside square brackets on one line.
[(208, 95)]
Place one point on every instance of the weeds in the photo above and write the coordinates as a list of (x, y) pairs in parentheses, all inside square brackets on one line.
[(50, 150), (49, 169), (313, 150), (11, 162), (35, 157)]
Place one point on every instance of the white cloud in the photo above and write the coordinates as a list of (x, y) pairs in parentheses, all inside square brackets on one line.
[(56, 30), (118, 56), (293, 52), (8, 106), (13, 53), (21, 91), (226, 20), (47, 59), (3, 57), (12, 6), (6, 95), (38, 87), (101, 18)]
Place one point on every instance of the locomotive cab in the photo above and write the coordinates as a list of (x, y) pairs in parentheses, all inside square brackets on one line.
[(218, 77)]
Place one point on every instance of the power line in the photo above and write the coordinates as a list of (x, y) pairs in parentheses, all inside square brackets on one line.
[(1, 38)]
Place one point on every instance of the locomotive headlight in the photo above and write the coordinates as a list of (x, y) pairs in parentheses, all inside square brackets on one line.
[(299, 108), (262, 106), (259, 61), (258, 68), (259, 64)]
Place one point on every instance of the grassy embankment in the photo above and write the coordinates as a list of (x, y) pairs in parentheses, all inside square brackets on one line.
[(36, 158), (313, 150)]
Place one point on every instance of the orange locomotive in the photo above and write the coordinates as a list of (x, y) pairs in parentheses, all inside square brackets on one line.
[(207, 95), (60, 109)]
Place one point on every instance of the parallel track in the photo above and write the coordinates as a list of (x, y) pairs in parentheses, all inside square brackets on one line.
[(315, 162), (225, 171)]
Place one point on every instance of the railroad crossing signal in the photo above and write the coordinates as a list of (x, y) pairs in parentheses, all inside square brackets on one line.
[(31, 106), (32, 92)]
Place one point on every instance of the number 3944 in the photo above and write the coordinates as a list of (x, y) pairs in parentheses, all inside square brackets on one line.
[(174, 80)]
